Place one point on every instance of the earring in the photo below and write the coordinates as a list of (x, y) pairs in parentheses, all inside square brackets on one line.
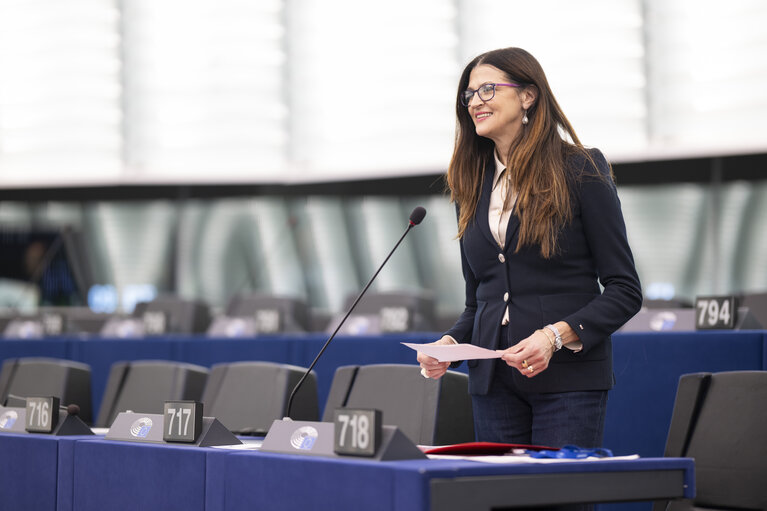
[(525, 120)]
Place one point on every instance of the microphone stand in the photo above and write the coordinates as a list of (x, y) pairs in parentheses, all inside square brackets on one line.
[(415, 218)]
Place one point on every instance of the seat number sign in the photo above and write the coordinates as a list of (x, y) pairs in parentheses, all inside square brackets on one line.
[(182, 421), (42, 414), (357, 432), (715, 312)]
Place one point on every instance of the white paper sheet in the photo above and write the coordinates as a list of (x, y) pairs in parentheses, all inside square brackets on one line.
[(453, 352), (247, 445)]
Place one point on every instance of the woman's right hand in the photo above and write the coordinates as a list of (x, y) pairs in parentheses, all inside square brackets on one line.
[(430, 366)]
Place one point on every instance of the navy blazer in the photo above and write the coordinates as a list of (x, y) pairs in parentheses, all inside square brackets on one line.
[(592, 249)]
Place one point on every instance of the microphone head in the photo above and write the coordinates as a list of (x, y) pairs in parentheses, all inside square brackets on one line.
[(73, 409), (416, 217)]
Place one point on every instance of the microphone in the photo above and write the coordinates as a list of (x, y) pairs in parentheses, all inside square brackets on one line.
[(416, 217)]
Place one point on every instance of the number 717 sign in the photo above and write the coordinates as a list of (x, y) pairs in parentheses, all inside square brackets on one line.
[(182, 421), (715, 312)]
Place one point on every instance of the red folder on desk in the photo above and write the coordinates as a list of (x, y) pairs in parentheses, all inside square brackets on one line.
[(483, 448)]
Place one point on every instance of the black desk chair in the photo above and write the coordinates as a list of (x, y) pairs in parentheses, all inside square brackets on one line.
[(720, 419), (427, 411), (68, 380), (248, 396), (143, 386)]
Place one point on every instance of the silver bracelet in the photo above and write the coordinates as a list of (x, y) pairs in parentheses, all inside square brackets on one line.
[(557, 337)]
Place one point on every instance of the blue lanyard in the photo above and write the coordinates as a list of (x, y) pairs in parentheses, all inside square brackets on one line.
[(572, 452)]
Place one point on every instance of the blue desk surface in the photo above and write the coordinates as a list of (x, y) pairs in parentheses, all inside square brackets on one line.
[(128, 476), (285, 482), (40, 472), (36, 472)]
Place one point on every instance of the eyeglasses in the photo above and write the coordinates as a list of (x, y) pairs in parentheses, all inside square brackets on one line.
[(486, 92)]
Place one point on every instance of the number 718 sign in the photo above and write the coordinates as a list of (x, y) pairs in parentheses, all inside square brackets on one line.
[(715, 312)]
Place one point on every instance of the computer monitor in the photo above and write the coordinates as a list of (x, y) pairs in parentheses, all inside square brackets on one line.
[(54, 260)]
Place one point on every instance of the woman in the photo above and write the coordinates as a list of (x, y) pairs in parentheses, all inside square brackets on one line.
[(540, 228)]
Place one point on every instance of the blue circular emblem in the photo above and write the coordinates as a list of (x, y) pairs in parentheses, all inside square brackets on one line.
[(8, 419), (303, 438), (140, 428)]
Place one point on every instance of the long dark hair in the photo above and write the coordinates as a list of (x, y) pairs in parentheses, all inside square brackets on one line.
[(536, 158)]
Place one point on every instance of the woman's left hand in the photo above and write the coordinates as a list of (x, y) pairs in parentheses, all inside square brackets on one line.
[(530, 355)]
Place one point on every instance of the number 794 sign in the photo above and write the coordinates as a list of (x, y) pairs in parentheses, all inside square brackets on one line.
[(715, 312)]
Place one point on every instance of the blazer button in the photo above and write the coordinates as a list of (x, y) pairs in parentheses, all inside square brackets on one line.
[(505, 297), (501, 258)]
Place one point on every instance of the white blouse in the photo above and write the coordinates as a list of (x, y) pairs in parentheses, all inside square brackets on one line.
[(497, 215)]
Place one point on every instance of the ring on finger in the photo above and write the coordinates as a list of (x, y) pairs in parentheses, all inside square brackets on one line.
[(524, 364), (530, 368)]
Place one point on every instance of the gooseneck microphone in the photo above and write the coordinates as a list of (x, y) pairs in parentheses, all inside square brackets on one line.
[(415, 218)]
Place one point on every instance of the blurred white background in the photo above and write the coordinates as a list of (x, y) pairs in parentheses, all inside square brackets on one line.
[(195, 91), (185, 92)]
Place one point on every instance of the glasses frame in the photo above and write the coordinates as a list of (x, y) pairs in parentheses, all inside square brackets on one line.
[(466, 102)]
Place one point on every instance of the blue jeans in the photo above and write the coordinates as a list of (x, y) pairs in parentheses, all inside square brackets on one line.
[(508, 415)]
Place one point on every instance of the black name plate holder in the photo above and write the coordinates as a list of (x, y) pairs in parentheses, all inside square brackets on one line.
[(13, 420), (317, 439), (149, 427), (300, 437)]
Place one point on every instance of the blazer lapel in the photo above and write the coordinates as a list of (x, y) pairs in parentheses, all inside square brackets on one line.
[(511, 229), (483, 207)]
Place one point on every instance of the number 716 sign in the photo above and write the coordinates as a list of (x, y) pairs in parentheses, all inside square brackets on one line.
[(715, 312), (42, 414)]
